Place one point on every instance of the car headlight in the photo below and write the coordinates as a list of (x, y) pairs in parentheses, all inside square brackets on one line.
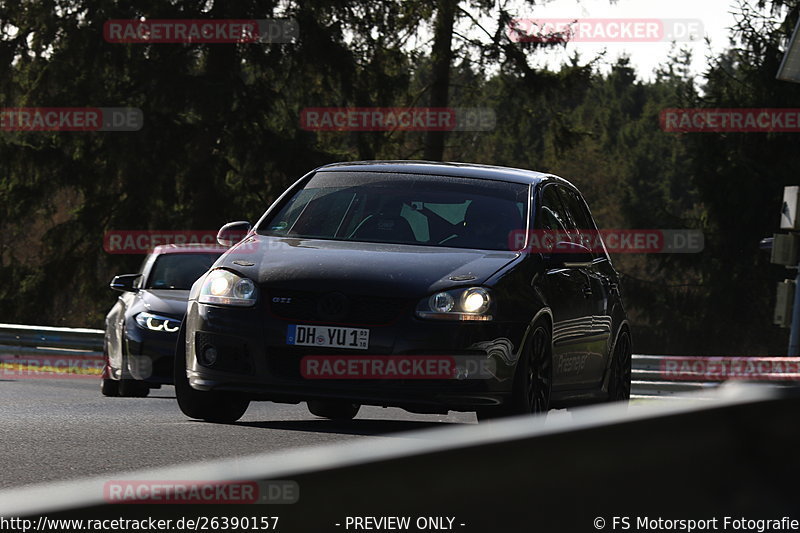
[(223, 287), (158, 323), (473, 303)]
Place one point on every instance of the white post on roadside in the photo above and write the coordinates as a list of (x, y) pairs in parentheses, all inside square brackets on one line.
[(785, 252)]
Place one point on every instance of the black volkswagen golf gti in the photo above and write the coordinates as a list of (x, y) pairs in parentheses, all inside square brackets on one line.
[(408, 284)]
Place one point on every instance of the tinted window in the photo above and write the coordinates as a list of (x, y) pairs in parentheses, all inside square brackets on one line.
[(576, 209), (179, 270), (580, 217), (404, 209), (552, 215)]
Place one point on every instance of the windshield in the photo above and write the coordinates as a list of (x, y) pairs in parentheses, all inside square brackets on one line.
[(404, 209), (179, 271)]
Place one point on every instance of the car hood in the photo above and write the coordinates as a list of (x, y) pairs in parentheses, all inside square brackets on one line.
[(170, 302), (359, 267)]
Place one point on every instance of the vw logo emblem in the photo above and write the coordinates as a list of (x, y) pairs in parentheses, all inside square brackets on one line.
[(333, 306)]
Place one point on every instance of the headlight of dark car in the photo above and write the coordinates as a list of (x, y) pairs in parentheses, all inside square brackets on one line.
[(473, 303), (157, 323), (223, 287)]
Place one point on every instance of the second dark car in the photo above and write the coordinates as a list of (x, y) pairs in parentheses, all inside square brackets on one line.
[(408, 284), (142, 326)]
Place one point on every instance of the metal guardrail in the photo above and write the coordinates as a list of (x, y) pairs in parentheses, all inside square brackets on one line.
[(48, 352), (673, 377), (19, 337), (18, 341), (648, 380)]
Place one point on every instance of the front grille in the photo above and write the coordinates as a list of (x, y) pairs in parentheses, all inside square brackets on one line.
[(358, 310)]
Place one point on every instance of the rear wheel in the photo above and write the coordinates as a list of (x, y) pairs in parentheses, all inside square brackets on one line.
[(619, 381), (333, 409), (533, 380), (211, 406)]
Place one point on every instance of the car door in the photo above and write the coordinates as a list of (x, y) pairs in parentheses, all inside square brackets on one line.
[(599, 287), (564, 290)]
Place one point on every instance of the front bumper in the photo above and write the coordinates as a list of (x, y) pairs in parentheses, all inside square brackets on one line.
[(150, 355), (253, 358)]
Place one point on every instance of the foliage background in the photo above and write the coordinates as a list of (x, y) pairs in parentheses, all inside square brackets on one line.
[(222, 140)]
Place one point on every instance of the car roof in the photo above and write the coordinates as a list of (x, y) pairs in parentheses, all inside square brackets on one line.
[(195, 247), (466, 170)]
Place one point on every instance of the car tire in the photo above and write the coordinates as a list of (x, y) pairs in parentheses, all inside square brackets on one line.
[(619, 379), (109, 387), (333, 409), (127, 386), (533, 379), (211, 406), (131, 388)]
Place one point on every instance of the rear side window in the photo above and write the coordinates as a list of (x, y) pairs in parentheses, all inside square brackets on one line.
[(576, 209), (581, 220), (552, 215), (563, 210)]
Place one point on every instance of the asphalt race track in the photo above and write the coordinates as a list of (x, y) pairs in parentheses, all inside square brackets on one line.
[(58, 429), (61, 429)]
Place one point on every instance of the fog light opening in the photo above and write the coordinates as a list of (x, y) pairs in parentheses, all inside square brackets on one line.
[(209, 356)]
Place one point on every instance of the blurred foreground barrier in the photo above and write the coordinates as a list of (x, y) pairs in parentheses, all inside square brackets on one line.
[(735, 456)]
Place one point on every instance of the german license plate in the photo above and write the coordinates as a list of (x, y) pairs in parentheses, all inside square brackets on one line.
[(328, 337)]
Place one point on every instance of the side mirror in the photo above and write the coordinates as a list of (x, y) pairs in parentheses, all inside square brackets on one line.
[(124, 283), (233, 232), (568, 254)]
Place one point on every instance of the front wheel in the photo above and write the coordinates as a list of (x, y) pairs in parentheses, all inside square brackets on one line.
[(211, 406), (619, 381), (533, 380), (109, 387), (129, 387)]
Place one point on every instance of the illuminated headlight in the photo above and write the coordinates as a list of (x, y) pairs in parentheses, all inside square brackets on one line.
[(158, 323), (473, 303), (223, 287), (475, 300)]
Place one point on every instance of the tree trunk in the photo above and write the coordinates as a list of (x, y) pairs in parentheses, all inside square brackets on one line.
[(442, 57)]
